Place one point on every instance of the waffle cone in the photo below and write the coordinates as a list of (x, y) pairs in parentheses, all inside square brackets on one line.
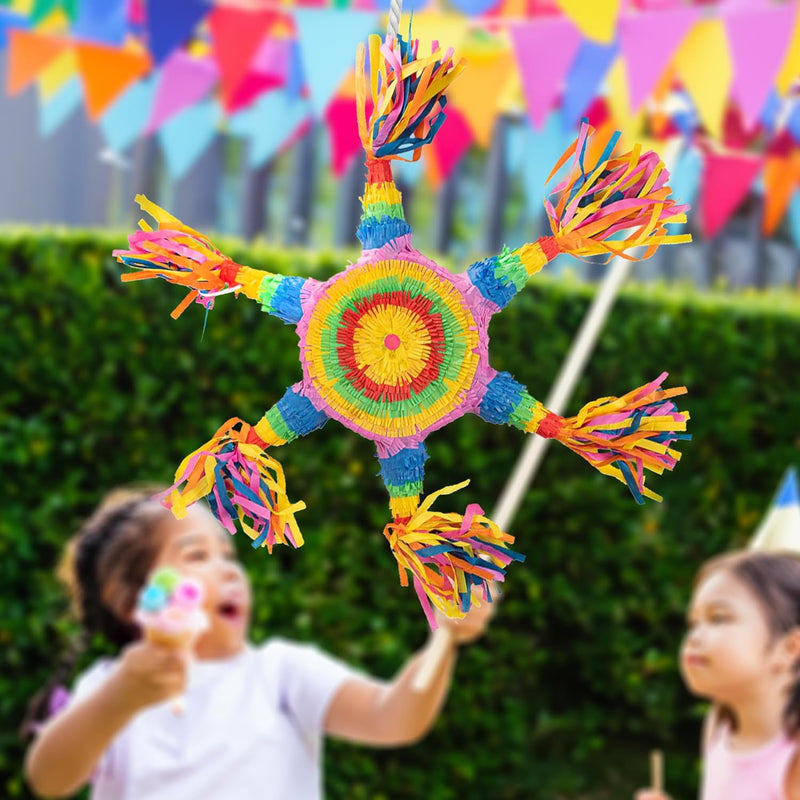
[(183, 639)]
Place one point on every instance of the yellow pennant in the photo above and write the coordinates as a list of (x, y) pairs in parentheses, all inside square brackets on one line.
[(705, 66), (790, 70), (596, 19)]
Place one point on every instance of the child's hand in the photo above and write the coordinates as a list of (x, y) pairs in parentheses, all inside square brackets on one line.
[(150, 673), (650, 794), (473, 625)]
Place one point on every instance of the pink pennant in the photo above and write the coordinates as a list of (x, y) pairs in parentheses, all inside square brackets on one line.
[(545, 49), (136, 12), (184, 81), (758, 38), (451, 142), (648, 41), (727, 178), (253, 85), (272, 57), (236, 35), (343, 127), (269, 70)]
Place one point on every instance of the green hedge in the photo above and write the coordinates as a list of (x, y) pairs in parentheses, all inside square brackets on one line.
[(577, 679)]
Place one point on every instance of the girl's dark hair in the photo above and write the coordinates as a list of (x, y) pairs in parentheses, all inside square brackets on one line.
[(104, 567), (774, 580)]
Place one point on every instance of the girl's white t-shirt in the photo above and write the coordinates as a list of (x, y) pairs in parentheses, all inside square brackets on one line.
[(251, 729)]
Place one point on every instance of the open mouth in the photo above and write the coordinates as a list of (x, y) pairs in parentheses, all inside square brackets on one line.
[(230, 611)]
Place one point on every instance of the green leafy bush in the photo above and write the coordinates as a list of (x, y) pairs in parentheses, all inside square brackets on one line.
[(577, 679)]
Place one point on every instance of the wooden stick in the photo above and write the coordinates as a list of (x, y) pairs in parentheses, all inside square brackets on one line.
[(535, 447), (657, 771)]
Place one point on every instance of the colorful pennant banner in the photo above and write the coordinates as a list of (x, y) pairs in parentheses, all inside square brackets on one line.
[(724, 79)]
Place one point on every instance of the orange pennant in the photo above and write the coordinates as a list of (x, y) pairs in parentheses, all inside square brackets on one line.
[(781, 178), (107, 72), (475, 93), (29, 54)]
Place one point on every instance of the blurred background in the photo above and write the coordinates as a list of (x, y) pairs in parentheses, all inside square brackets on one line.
[(239, 118)]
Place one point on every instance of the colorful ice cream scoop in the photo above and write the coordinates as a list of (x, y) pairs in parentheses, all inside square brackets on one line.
[(170, 609)]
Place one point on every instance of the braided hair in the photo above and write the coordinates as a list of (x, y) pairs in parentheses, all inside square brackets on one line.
[(104, 567), (774, 579)]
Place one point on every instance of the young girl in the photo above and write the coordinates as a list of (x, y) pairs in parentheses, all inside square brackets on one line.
[(254, 716), (742, 652)]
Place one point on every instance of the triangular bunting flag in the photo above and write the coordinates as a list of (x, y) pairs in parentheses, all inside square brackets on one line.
[(237, 35), (137, 15), (125, 119), (28, 54), (170, 24), (252, 87), (794, 219), (628, 123), (755, 67), (446, 150), (542, 149), (102, 21), (727, 178), (187, 136), (295, 79), (60, 107), (475, 94), (276, 119), (780, 528), (56, 74), (585, 76), (328, 41), (342, 123), (790, 71), (44, 8), (705, 67), (685, 176), (471, 8), (183, 81), (435, 26), (545, 49), (648, 42), (268, 70), (106, 72), (8, 22), (781, 178), (596, 19)]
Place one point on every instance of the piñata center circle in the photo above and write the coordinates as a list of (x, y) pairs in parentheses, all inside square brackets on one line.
[(391, 347)]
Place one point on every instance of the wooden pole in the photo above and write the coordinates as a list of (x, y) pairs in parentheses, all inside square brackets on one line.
[(535, 447)]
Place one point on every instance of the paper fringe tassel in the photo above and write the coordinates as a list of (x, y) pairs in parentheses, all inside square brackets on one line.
[(241, 482), (596, 203), (178, 254), (406, 96), (449, 555), (623, 436)]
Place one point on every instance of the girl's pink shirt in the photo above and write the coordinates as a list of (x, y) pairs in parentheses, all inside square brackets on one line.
[(756, 775)]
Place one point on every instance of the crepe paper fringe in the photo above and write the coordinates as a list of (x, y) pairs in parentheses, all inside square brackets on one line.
[(620, 436), (182, 256), (613, 205), (241, 483), (449, 555), (400, 97), (624, 436)]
